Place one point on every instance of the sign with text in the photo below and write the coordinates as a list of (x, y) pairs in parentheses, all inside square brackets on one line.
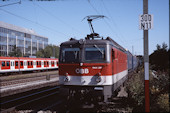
[(146, 21)]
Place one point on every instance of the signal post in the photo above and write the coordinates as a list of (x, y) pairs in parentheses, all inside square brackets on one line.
[(145, 23)]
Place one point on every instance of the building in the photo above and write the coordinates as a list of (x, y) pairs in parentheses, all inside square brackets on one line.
[(28, 41)]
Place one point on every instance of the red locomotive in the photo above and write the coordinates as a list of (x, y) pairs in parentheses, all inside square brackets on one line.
[(94, 67)]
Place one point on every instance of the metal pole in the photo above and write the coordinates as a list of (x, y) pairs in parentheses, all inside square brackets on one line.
[(169, 25), (146, 60), (53, 51)]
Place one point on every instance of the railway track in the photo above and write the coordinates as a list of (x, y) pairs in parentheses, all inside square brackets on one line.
[(24, 80), (49, 99), (27, 75), (12, 104)]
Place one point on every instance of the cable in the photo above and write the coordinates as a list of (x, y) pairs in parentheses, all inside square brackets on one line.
[(58, 18), (50, 29), (11, 4), (93, 7), (112, 20), (104, 21)]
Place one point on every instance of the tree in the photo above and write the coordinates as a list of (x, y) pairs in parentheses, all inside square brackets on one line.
[(49, 51), (158, 47), (40, 54), (15, 52), (159, 59)]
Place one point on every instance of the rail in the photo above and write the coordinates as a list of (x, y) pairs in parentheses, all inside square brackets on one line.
[(26, 96)]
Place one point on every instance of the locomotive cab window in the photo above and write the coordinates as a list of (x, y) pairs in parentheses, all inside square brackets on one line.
[(95, 53), (70, 55)]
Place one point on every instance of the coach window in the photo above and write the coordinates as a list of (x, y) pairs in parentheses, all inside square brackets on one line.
[(21, 62), (31, 63), (39, 62), (7, 63), (16, 63), (3, 64), (28, 63)]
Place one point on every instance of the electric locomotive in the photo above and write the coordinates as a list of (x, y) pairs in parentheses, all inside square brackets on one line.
[(94, 67)]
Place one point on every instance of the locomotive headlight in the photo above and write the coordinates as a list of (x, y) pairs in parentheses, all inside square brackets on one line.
[(98, 79), (67, 78)]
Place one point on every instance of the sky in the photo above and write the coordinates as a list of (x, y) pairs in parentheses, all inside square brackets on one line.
[(59, 20)]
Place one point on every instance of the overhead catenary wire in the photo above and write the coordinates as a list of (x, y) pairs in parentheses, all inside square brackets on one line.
[(11, 4), (23, 18), (112, 20), (57, 18), (124, 42), (105, 21)]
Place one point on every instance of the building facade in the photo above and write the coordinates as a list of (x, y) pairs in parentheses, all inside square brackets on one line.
[(26, 40)]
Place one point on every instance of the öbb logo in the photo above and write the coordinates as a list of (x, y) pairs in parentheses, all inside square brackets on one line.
[(82, 71)]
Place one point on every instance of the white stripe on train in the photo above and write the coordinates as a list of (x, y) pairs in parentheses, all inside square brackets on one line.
[(91, 80)]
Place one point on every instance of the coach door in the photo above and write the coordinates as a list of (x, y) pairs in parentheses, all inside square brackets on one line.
[(12, 64), (112, 60)]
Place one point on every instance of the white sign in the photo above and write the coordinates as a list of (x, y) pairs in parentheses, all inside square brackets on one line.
[(82, 71), (146, 21)]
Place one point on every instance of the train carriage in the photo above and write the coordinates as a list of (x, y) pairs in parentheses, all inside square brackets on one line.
[(20, 64)]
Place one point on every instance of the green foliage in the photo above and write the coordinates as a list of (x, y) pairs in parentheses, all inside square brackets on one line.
[(163, 102), (49, 51), (159, 92), (40, 54), (135, 88), (159, 59), (15, 52), (158, 85)]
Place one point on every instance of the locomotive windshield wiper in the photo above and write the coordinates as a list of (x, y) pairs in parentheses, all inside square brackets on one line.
[(98, 49)]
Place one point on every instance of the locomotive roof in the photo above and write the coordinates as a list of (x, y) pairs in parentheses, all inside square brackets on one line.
[(106, 41)]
